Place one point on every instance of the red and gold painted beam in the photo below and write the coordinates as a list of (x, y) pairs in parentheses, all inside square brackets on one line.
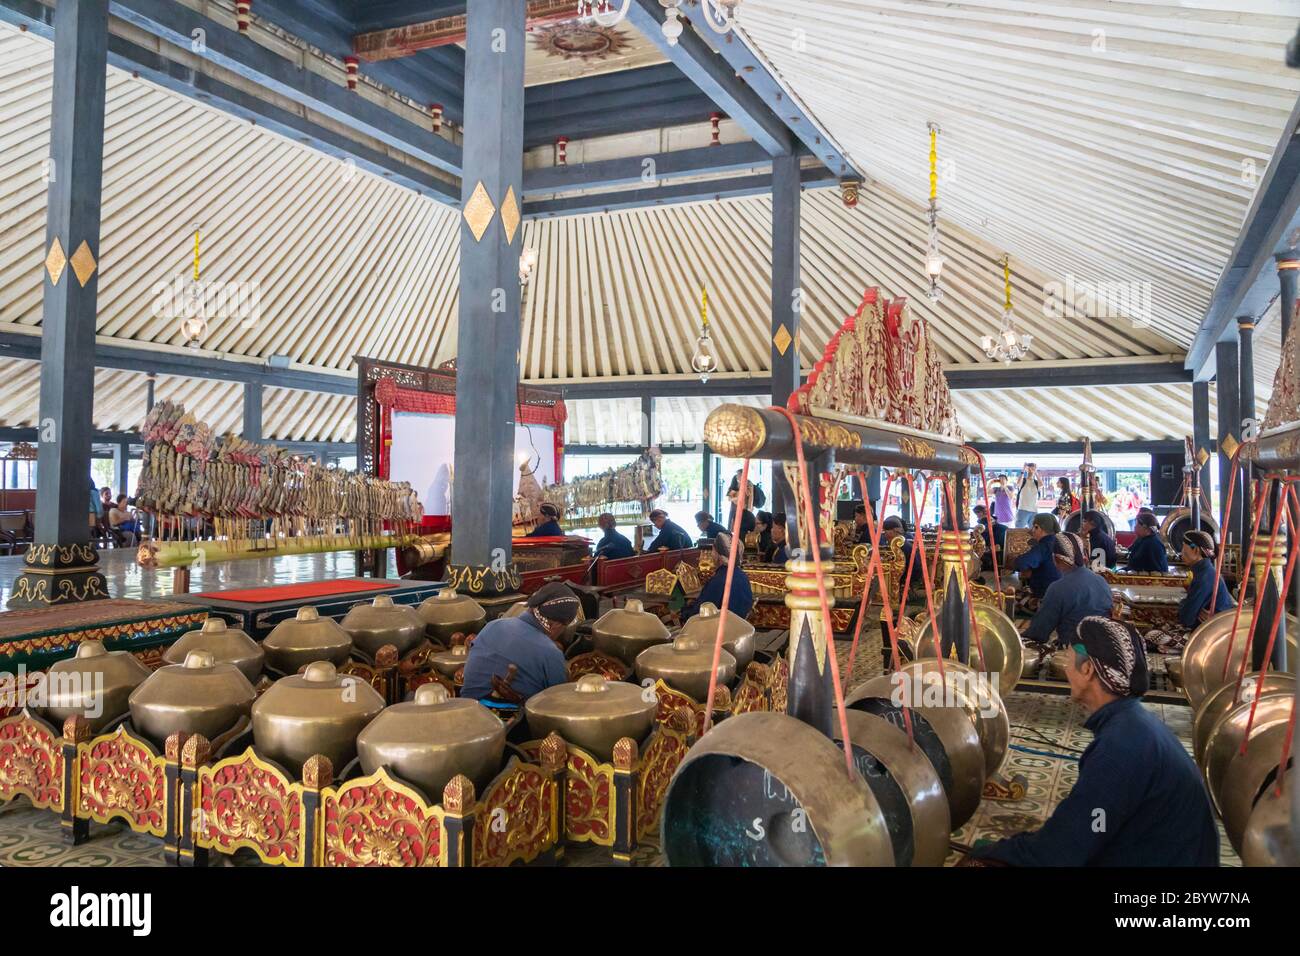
[(403, 41)]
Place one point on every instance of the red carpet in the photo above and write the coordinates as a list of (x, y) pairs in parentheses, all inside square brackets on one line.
[(294, 592)]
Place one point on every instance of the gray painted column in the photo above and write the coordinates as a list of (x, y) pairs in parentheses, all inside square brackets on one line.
[(252, 412), (1201, 430), (487, 360), (786, 310), (63, 563), (647, 421), (1288, 272), (1229, 423), (121, 473), (1246, 413), (149, 382)]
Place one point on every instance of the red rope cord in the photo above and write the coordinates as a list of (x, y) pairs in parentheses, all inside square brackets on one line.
[(726, 594), (814, 538), (1283, 505), (1241, 587), (919, 542), (873, 565)]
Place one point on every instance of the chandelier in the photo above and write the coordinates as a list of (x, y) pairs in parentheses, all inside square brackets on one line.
[(933, 257), (704, 362), (1010, 345), (193, 309)]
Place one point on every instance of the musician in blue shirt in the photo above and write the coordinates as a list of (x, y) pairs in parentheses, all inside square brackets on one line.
[(550, 526), (612, 544), (1139, 799), (708, 527), (742, 595), (1198, 556), (1080, 592), (528, 641), (671, 537), (1093, 528), (999, 537), (1038, 563), (1148, 551)]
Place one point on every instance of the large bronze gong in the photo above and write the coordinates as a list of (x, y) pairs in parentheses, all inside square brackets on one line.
[(1003, 654), (766, 789), (1269, 840), (946, 735), (906, 786), (1207, 649), (1223, 746), (1224, 699)]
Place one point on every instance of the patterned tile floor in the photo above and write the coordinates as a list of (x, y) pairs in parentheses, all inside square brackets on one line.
[(1042, 722)]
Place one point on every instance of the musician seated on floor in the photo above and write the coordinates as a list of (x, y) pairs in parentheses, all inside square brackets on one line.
[(1079, 592), (612, 544), (708, 527), (764, 528), (893, 528), (1037, 566), (1093, 527), (1139, 799), (550, 526), (861, 529), (1148, 551), (741, 601), (529, 641), (670, 537), (778, 551), (1198, 556), (999, 536)]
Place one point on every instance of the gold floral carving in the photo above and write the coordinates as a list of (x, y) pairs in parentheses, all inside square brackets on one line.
[(379, 821), (31, 762), (472, 579), (1284, 405), (663, 755), (120, 776), (518, 817), (244, 801), (881, 367)]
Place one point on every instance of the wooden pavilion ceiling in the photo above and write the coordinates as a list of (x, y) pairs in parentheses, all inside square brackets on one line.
[(1106, 139), (1107, 167)]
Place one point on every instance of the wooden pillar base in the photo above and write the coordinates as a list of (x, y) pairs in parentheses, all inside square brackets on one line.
[(58, 574), (484, 580)]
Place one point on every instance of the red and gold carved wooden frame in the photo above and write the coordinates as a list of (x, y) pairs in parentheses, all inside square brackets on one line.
[(678, 710), (31, 762), (245, 801), (632, 572), (664, 752), (520, 816), (769, 615), (121, 776), (594, 662), (1175, 579), (379, 821)]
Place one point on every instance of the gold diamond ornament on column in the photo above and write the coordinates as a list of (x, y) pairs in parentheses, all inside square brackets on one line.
[(1229, 445), (782, 339), (510, 215), (55, 261), (83, 263), (479, 211)]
